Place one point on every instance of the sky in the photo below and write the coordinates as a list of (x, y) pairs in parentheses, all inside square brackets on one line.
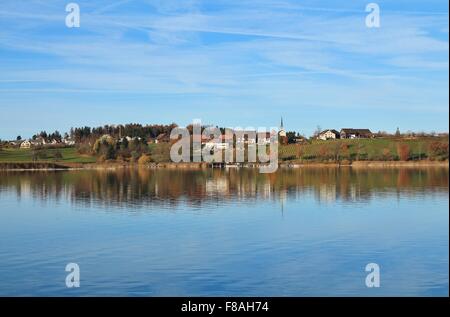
[(228, 63)]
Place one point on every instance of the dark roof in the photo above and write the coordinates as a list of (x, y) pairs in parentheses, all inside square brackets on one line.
[(263, 134), (161, 136), (225, 137), (355, 131), (332, 130)]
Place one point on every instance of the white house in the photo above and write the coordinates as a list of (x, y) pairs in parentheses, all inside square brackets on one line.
[(129, 138), (264, 138), (39, 141), (68, 141), (25, 144), (328, 134), (216, 146), (247, 137)]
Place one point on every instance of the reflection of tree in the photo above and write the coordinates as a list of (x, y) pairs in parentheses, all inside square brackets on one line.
[(403, 179), (142, 187)]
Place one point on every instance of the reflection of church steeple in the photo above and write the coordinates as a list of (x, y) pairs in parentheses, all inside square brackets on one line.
[(282, 196)]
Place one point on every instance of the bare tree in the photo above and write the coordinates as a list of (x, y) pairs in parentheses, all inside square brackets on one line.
[(317, 131)]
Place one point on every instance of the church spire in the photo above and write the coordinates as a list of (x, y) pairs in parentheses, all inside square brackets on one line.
[(281, 132)]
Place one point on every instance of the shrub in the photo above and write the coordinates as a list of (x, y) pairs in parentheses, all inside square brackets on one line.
[(361, 153), (83, 148), (57, 155), (345, 150), (101, 158), (387, 155), (110, 152), (323, 152), (134, 156), (160, 153), (144, 159), (438, 150), (299, 150), (39, 154), (403, 151), (124, 154), (120, 158)]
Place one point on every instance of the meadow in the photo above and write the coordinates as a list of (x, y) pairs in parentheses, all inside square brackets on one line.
[(66, 155), (346, 150), (377, 149)]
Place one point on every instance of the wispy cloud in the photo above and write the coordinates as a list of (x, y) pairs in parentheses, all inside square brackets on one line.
[(241, 52)]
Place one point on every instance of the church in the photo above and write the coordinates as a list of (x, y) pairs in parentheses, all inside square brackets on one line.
[(281, 131)]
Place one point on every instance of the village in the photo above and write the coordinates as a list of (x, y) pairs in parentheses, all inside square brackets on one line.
[(248, 137), (145, 144)]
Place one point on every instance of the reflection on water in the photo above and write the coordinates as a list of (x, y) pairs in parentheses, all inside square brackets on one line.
[(144, 187), (217, 232)]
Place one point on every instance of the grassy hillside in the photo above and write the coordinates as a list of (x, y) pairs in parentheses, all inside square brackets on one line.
[(367, 150), (68, 155), (426, 148)]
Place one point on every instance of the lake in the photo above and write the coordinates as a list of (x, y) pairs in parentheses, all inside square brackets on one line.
[(297, 232)]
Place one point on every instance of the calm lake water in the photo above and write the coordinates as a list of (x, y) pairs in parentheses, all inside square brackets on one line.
[(297, 232)]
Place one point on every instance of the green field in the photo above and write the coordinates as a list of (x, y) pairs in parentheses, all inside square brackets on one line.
[(391, 149), (69, 155), (366, 150)]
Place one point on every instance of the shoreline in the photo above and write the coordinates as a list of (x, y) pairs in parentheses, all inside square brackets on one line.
[(57, 166), (371, 164)]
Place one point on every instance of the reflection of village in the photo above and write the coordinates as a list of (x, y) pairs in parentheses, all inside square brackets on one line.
[(144, 188)]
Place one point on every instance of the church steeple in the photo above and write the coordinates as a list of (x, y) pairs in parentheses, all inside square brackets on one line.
[(281, 132)]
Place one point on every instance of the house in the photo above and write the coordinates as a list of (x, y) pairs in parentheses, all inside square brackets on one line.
[(162, 137), (106, 137), (68, 141), (130, 139), (300, 140), (264, 138), (37, 142), (25, 144), (225, 142), (246, 137), (41, 141), (349, 133), (229, 139), (329, 134), (205, 139), (216, 146)]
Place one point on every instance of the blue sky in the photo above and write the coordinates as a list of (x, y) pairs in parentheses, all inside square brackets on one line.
[(230, 63)]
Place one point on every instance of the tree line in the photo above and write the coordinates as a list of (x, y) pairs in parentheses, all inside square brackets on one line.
[(80, 134)]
